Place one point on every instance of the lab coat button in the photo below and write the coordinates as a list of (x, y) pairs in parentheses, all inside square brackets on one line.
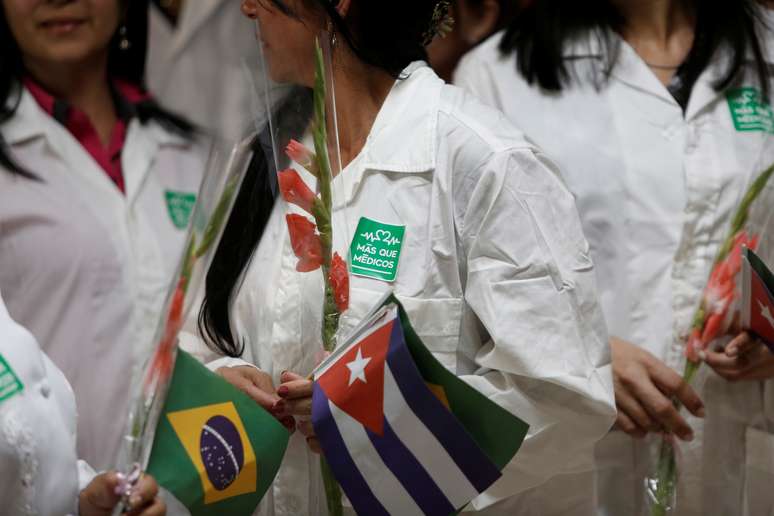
[(45, 390)]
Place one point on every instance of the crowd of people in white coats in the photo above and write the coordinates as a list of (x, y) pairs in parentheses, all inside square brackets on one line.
[(566, 172)]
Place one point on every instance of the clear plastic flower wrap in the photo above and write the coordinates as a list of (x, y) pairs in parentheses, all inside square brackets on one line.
[(301, 137), (225, 170), (751, 225)]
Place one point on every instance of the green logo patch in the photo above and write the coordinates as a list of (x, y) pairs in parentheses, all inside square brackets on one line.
[(180, 205), (9, 382), (749, 112), (375, 250)]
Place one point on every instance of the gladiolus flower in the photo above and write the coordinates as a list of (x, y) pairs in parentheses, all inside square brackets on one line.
[(305, 242), (721, 289), (162, 358), (303, 156), (339, 280), (713, 327), (295, 191)]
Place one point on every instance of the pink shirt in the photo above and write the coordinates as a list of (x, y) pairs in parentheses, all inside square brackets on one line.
[(77, 122)]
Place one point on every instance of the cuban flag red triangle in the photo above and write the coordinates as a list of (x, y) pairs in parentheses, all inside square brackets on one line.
[(758, 298), (355, 382)]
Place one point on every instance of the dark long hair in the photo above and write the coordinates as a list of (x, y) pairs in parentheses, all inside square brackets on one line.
[(385, 35), (539, 34), (127, 65)]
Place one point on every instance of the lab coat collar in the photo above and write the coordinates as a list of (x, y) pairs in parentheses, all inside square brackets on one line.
[(632, 70), (31, 121), (403, 137), (28, 122), (140, 147), (629, 68)]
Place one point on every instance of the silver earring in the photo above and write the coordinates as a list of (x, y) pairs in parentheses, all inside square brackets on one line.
[(123, 42)]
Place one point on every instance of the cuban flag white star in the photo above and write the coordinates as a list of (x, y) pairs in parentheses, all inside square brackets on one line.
[(357, 368), (766, 313)]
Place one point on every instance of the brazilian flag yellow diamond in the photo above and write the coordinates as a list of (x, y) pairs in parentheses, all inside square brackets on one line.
[(217, 443)]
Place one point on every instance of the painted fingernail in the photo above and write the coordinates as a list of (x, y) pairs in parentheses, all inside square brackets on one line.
[(289, 423), (278, 407), (283, 391)]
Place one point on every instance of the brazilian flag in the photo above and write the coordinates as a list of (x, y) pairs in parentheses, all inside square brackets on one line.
[(215, 449)]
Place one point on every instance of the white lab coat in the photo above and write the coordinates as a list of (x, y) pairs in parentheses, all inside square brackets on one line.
[(38, 466), (84, 267), (655, 189), (198, 68), (494, 274)]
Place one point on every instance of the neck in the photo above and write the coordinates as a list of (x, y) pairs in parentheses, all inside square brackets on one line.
[(360, 93), (83, 86), (655, 20), (660, 31)]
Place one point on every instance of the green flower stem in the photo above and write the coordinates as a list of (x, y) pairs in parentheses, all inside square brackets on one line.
[(322, 213), (666, 477), (666, 471)]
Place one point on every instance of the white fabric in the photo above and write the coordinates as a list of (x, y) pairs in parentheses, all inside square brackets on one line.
[(655, 189), (86, 268), (37, 431), (196, 67), (494, 274)]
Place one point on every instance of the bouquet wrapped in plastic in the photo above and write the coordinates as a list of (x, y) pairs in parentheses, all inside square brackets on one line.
[(303, 140), (224, 173), (715, 315)]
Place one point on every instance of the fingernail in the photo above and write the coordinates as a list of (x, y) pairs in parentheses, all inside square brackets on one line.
[(703, 356), (289, 423), (283, 391), (134, 501), (688, 437), (732, 352), (700, 412), (278, 407)]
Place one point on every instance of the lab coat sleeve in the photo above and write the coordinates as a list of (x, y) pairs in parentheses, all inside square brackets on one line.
[(530, 283), (85, 474)]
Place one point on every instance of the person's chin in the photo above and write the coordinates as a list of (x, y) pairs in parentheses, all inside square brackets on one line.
[(74, 52)]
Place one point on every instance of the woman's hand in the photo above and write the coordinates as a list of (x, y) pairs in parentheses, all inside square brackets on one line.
[(644, 389), (99, 498), (745, 358), (296, 394), (260, 387)]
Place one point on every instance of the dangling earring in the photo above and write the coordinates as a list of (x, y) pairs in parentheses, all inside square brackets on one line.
[(332, 32), (123, 42)]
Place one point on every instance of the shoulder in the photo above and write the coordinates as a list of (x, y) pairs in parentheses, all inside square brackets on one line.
[(467, 124), (481, 148)]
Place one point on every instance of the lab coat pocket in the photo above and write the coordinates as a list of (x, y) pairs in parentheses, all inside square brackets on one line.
[(437, 323), (759, 473)]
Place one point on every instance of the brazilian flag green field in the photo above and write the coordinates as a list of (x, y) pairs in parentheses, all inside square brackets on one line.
[(215, 449)]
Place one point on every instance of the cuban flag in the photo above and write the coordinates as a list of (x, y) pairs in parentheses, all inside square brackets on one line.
[(389, 434), (757, 298)]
